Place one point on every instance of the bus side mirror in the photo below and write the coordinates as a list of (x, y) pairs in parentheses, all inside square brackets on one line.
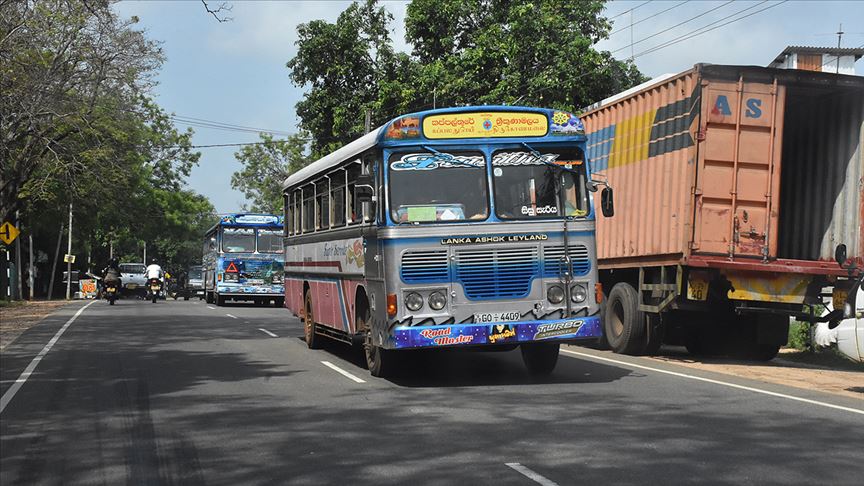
[(607, 203), (840, 254), (364, 190)]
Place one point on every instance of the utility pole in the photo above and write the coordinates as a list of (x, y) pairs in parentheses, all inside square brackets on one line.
[(434, 98), (368, 121), (69, 261), (31, 280), (56, 257), (839, 38), (145, 253), (18, 284)]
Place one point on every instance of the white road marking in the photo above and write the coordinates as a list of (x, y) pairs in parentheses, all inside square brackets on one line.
[(232, 317), (10, 393), (342, 372), (530, 474), (211, 307), (717, 382), (265, 331)]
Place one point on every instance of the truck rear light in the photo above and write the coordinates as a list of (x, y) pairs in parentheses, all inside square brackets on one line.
[(391, 305), (598, 293)]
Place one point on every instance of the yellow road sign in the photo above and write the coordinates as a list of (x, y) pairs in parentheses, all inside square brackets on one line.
[(68, 258), (8, 232)]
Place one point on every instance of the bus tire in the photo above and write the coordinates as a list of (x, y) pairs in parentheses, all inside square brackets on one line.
[(220, 300), (540, 358), (624, 323), (279, 302), (313, 340), (380, 361)]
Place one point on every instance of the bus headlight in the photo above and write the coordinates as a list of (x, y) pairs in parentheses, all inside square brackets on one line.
[(578, 293), (413, 301), (437, 300), (555, 294)]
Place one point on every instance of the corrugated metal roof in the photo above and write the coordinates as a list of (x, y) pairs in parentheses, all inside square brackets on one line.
[(858, 52)]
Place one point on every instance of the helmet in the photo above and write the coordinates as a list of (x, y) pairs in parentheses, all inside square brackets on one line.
[(113, 262)]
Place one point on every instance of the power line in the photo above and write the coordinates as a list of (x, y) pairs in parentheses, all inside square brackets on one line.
[(674, 26), (696, 33), (648, 18), (632, 9)]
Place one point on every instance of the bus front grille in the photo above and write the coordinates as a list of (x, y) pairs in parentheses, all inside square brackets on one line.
[(496, 274), (553, 266), (428, 266)]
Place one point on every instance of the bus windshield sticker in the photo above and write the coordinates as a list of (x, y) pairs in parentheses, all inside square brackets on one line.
[(437, 161), (563, 123), (473, 240), (503, 159)]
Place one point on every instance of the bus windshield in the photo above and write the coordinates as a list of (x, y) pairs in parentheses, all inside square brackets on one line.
[(238, 240), (529, 186), (269, 241), (438, 187)]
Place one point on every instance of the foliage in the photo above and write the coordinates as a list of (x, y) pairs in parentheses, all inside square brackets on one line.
[(799, 335), (265, 167), (78, 126), (465, 52)]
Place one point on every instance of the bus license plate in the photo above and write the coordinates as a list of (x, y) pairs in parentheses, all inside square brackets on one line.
[(490, 317), (255, 281)]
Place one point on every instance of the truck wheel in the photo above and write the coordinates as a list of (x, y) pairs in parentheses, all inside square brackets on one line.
[(624, 323), (540, 358), (313, 341)]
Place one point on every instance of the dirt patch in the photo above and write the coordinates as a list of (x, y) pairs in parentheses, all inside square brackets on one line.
[(783, 370), (17, 317)]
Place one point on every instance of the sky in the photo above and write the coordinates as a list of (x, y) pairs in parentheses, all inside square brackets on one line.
[(234, 72)]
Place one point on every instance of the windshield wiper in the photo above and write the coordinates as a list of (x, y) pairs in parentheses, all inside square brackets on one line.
[(537, 155)]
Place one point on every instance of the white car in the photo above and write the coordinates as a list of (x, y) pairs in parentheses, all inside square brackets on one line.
[(849, 335), (132, 276)]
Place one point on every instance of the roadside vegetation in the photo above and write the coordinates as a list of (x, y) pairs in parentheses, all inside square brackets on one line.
[(79, 126)]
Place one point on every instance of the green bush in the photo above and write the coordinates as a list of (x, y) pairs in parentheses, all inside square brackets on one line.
[(799, 335)]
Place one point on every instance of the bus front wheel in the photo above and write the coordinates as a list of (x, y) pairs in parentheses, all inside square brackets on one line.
[(540, 358), (380, 361)]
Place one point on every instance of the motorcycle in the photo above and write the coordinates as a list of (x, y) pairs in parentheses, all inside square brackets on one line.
[(154, 286), (111, 291)]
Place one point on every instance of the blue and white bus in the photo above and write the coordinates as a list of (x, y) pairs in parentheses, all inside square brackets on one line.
[(243, 259), (470, 226)]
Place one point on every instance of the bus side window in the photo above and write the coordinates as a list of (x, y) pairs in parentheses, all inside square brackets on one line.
[(322, 204), (288, 218), (337, 210), (308, 209), (355, 211), (298, 211)]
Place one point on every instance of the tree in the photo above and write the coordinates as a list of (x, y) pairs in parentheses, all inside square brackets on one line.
[(265, 168), (532, 52), (63, 61), (465, 52), (347, 66)]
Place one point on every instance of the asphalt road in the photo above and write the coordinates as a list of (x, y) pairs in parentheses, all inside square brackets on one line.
[(184, 393)]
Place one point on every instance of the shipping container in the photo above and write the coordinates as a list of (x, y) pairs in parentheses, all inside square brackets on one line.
[(733, 188)]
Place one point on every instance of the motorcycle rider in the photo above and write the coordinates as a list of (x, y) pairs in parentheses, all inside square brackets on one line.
[(111, 274), (155, 271)]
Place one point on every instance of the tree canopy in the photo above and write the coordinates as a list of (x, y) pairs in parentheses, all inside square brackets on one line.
[(464, 52), (265, 167), (78, 125)]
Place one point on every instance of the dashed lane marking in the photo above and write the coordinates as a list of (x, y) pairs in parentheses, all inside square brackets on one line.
[(343, 372), (265, 331), (716, 382), (10, 393), (232, 317), (528, 473), (211, 307)]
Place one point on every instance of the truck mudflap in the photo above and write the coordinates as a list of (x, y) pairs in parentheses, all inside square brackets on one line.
[(573, 329)]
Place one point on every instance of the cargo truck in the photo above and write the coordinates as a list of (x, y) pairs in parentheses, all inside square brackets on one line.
[(735, 186)]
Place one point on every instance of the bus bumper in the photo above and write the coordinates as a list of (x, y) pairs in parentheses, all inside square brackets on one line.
[(573, 330)]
